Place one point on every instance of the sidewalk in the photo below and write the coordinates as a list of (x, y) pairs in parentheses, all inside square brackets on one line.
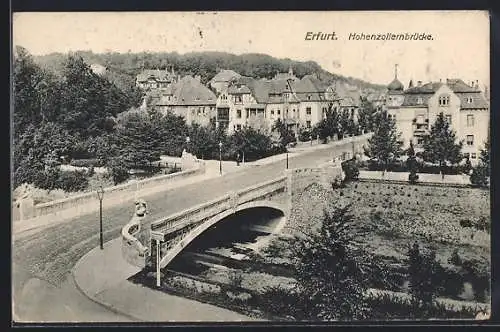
[(102, 275)]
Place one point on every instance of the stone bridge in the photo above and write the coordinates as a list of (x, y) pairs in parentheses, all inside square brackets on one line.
[(140, 238)]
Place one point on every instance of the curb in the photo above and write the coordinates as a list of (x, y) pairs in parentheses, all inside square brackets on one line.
[(92, 297)]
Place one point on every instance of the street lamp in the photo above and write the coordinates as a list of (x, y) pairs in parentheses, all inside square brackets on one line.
[(220, 158), (187, 143), (286, 159), (311, 139), (100, 195)]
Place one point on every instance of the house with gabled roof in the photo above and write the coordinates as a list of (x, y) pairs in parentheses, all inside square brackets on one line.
[(221, 80), (188, 98), (155, 79), (463, 105)]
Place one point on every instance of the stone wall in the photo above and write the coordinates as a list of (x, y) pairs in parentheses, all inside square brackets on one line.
[(85, 203)]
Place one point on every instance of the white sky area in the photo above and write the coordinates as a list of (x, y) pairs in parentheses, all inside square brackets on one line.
[(460, 48)]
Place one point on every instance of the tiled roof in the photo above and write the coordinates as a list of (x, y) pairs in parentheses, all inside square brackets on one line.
[(456, 85), (159, 75), (459, 87), (478, 100), (225, 76), (189, 91)]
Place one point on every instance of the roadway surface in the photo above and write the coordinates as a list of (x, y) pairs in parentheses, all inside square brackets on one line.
[(43, 289)]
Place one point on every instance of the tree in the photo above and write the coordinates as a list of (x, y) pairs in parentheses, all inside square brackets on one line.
[(138, 139), (484, 156), (366, 115), (440, 145), (286, 135), (425, 279), (385, 144), (412, 164), (328, 271)]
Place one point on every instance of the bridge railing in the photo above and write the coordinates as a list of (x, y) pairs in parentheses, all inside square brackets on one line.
[(261, 189), (190, 215)]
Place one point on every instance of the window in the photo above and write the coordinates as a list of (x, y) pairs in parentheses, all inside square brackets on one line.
[(238, 114), (238, 99), (420, 141), (238, 127), (419, 100), (394, 117), (324, 110), (247, 113), (389, 116), (308, 110), (473, 156), (272, 112), (448, 118), (308, 124), (308, 97), (470, 139), (469, 100), (444, 100), (470, 120), (279, 112), (286, 112), (352, 112), (467, 155)]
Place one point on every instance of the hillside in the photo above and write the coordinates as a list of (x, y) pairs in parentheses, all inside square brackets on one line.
[(123, 67)]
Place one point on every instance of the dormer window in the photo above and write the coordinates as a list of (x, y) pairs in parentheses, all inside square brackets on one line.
[(444, 100), (308, 97), (419, 101)]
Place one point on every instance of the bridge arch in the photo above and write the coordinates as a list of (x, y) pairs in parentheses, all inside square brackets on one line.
[(179, 247)]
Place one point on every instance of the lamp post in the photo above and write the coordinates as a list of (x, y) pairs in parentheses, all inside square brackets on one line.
[(220, 157), (311, 139), (100, 195), (187, 143), (286, 159)]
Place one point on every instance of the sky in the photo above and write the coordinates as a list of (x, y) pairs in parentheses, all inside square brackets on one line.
[(459, 49)]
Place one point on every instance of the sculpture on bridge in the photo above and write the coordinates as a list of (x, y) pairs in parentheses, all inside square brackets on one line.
[(141, 208)]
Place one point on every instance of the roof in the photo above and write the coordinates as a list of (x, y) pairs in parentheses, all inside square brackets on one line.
[(395, 85), (159, 75), (460, 88), (225, 76), (189, 91)]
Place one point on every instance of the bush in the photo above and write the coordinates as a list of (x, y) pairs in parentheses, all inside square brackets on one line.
[(86, 163), (479, 177), (351, 170), (118, 170), (282, 302), (48, 178), (72, 181)]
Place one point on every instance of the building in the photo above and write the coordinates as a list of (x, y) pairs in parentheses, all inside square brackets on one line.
[(464, 106), (188, 98), (299, 103), (155, 79), (220, 82)]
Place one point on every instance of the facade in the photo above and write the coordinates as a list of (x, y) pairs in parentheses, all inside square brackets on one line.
[(188, 98), (464, 106), (155, 79), (299, 103)]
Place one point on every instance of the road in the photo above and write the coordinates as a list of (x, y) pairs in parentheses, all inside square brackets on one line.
[(42, 260)]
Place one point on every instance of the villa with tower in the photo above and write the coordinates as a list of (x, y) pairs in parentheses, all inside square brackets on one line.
[(416, 108)]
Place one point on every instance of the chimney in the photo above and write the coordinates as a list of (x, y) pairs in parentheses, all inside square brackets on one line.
[(419, 83), (477, 84)]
